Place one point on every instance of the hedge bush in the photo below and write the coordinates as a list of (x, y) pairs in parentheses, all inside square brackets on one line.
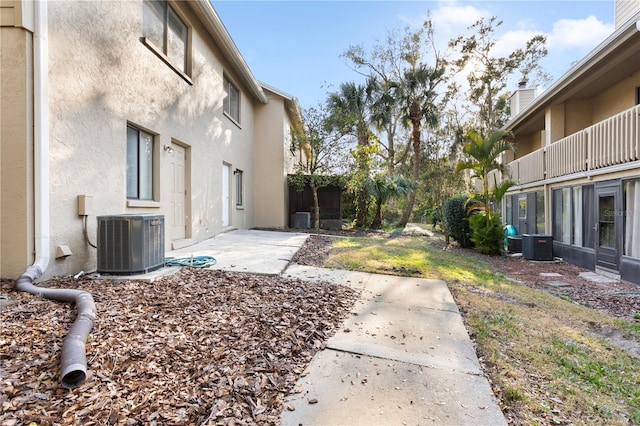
[(487, 239), (456, 221)]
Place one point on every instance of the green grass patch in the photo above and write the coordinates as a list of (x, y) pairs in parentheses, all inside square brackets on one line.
[(540, 351)]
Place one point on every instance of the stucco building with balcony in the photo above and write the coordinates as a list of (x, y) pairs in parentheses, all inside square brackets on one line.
[(577, 159)]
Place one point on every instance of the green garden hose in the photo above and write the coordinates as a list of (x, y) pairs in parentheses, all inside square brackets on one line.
[(192, 261)]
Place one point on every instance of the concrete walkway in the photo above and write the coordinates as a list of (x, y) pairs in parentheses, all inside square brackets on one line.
[(403, 358)]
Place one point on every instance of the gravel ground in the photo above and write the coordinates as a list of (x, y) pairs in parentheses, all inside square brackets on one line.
[(199, 347)]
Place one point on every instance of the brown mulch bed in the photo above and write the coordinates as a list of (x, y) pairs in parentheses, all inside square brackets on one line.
[(619, 299), (199, 347)]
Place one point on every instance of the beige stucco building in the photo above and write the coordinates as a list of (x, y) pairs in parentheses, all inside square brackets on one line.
[(577, 159), (114, 107)]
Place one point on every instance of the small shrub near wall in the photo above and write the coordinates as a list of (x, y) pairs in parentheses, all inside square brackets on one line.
[(456, 220), (487, 239)]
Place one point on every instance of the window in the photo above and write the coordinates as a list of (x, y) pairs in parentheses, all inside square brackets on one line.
[(231, 100), (166, 32), (562, 215), (522, 207), (632, 218), (140, 152), (574, 215), (588, 216), (638, 95), (239, 188), (540, 212), (577, 215)]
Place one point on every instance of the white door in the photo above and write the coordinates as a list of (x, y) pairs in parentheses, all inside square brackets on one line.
[(225, 194), (177, 225)]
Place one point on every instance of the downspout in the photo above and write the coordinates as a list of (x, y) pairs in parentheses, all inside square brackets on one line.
[(73, 360)]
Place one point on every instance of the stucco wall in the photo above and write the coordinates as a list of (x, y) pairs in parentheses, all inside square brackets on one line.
[(618, 98), (16, 154), (270, 173), (578, 114), (101, 78), (527, 144)]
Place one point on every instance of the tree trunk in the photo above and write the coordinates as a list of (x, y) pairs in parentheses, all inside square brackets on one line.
[(415, 140), (377, 220), (361, 209), (316, 208)]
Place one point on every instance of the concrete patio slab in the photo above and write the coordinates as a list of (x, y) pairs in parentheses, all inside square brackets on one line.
[(348, 389), (259, 252)]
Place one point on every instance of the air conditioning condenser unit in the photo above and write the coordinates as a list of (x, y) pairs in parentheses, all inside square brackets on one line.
[(537, 247), (130, 244), (302, 220)]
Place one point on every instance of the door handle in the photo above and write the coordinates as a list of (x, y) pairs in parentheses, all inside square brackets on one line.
[(595, 227)]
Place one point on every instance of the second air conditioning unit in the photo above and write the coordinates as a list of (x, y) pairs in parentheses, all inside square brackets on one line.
[(537, 247)]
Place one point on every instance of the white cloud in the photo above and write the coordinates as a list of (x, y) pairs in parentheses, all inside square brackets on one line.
[(513, 40), (578, 33), (450, 16)]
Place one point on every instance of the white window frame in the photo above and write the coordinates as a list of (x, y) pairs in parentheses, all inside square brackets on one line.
[(232, 98)]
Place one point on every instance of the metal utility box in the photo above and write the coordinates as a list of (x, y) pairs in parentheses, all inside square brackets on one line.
[(537, 247), (130, 244), (514, 244), (302, 220)]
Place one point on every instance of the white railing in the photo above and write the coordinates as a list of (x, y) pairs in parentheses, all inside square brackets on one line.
[(532, 167), (615, 140), (610, 142), (568, 155), (513, 170)]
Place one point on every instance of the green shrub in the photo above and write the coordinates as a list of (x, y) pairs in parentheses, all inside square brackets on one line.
[(456, 221), (487, 239)]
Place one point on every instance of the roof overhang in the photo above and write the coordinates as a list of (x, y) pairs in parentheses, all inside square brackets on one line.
[(290, 102), (615, 58), (212, 22)]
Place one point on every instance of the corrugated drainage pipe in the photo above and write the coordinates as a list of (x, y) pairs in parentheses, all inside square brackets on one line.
[(73, 359)]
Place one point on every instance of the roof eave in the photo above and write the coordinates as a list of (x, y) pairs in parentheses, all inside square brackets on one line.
[(291, 103), (214, 25), (597, 55)]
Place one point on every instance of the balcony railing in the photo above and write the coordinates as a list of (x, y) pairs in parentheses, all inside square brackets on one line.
[(611, 142)]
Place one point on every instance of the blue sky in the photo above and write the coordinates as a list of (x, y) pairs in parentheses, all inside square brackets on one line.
[(295, 46)]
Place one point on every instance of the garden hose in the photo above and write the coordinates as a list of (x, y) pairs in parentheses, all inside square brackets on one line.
[(192, 261)]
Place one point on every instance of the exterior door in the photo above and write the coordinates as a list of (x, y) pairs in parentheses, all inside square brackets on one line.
[(177, 222), (521, 208), (608, 225), (226, 169)]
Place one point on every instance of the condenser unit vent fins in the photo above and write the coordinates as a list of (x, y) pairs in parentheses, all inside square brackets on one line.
[(537, 247), (130, 244)]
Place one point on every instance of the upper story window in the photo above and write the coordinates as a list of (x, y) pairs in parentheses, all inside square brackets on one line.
[(231, 100), (140, 157), (166, 32)]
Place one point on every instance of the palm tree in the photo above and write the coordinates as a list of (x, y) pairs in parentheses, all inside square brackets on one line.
[(349, 110), (416, 95), (483, 157), (382, 189)]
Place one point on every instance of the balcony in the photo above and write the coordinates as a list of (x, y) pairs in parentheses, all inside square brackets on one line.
[(611, 142)]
